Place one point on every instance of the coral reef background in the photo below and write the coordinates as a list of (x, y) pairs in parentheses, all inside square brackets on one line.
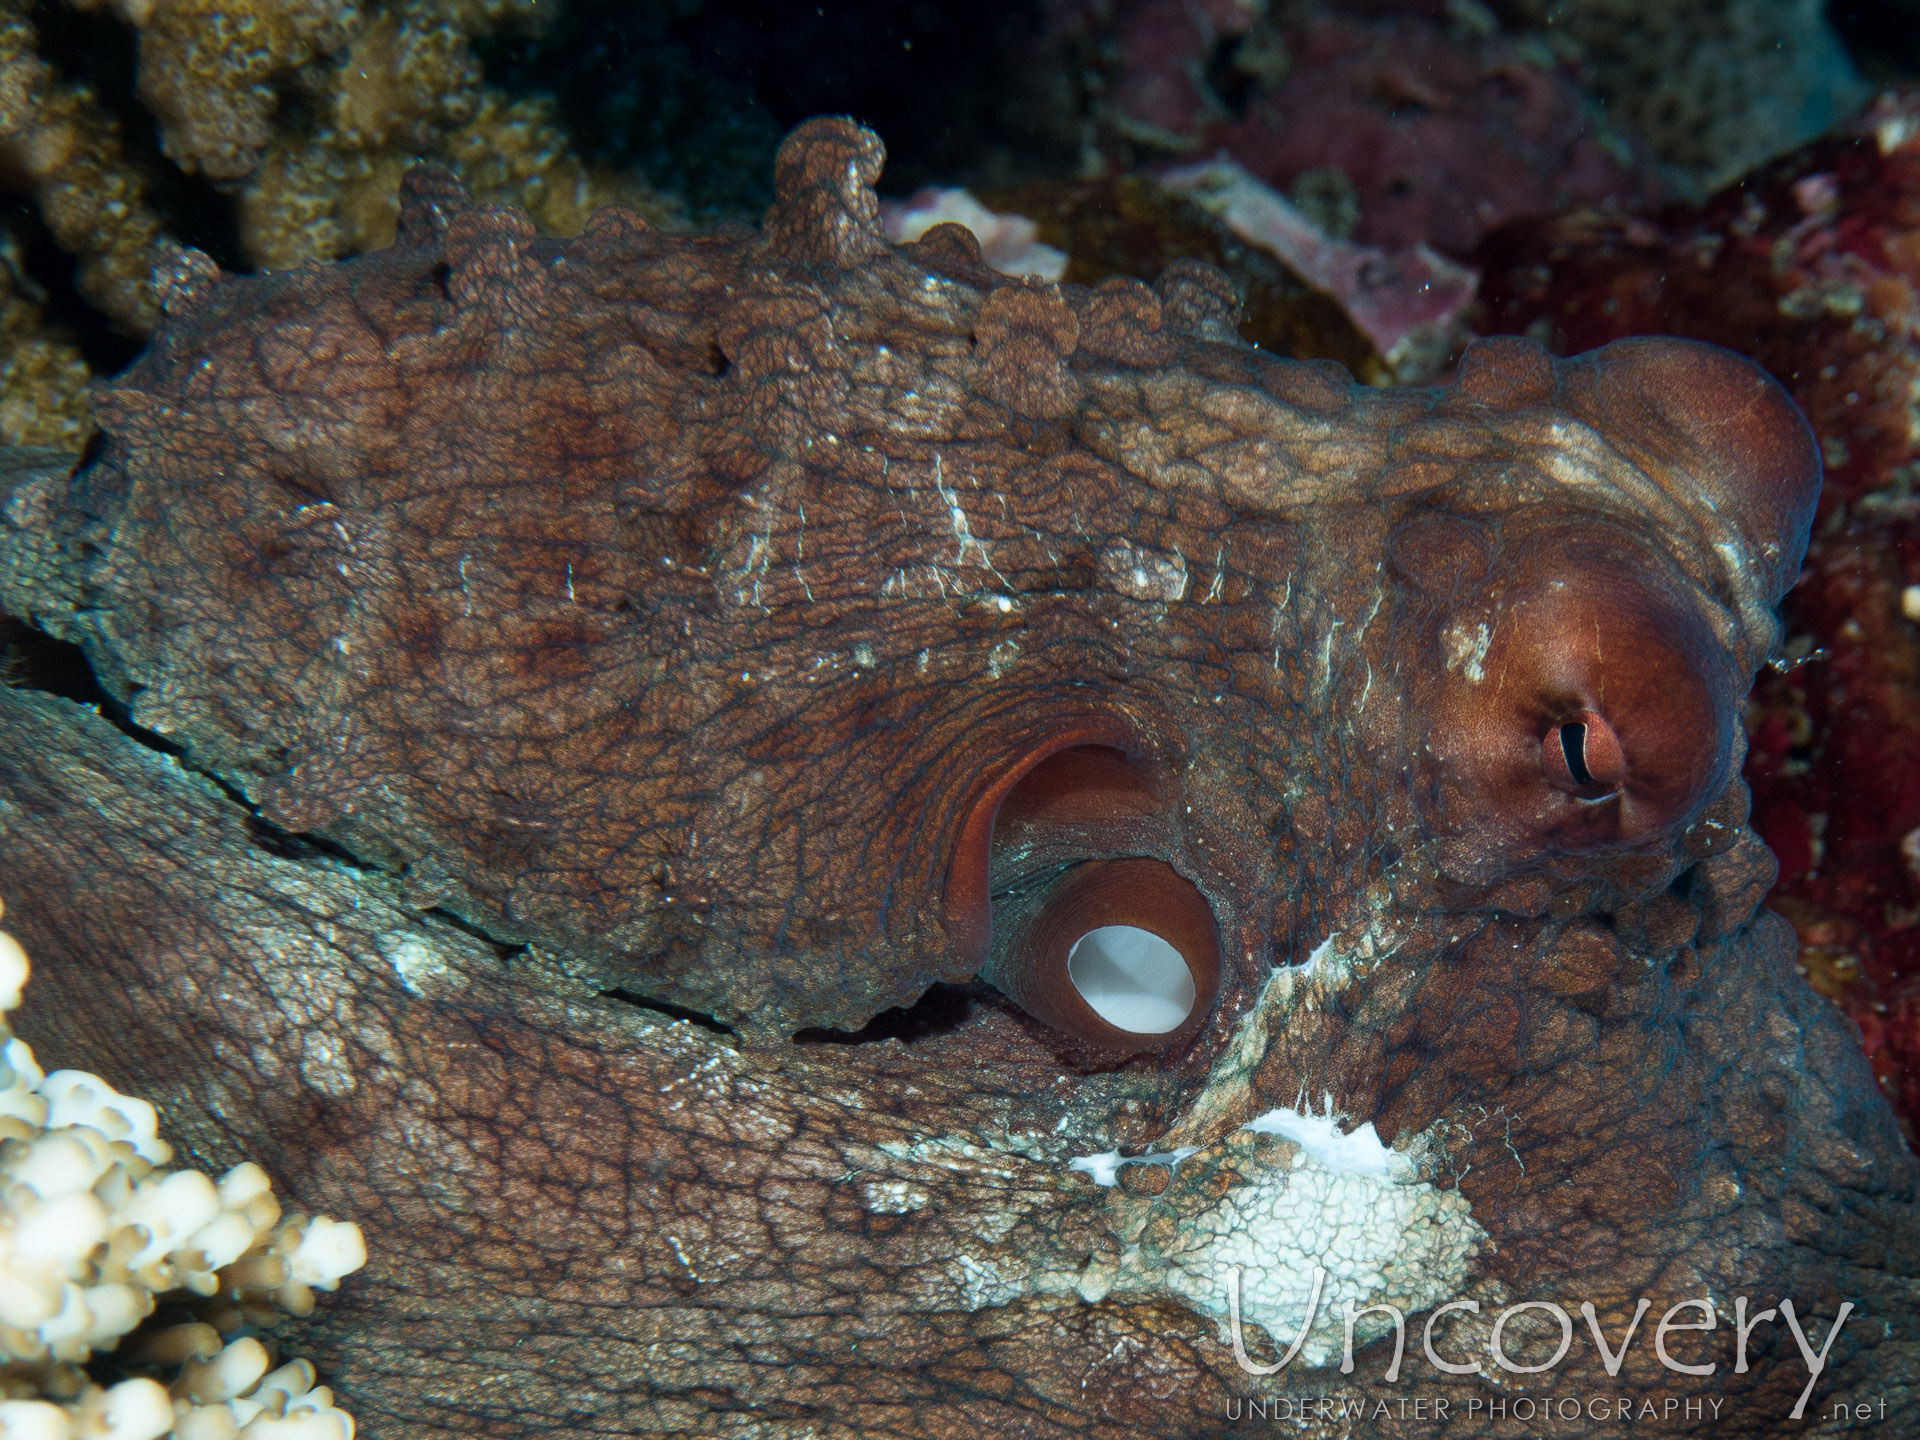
[(97, 1237), (1578, 170), (272, 132)]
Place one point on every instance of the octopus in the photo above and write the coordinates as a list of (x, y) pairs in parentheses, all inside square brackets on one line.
[(819, 841)]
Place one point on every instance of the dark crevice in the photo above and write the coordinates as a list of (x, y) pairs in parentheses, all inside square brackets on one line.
[(1229, 80), (31, 659), (45, 275), (97, 48), (286, 844), (504, 949), (943, 1009), (671, 1011), (1881, 35), (90, 451), (264, 835)]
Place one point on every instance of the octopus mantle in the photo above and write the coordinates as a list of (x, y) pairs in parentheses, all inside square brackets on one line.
[(515, 644)]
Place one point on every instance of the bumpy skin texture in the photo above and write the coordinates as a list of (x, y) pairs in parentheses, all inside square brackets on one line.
[(768, 625)]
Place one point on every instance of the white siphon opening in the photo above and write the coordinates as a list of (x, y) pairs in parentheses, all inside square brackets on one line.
[(1134, 980)]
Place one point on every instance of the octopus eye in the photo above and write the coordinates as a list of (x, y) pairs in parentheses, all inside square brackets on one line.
[(1582, 756), (1122, 954), (1596, 713)]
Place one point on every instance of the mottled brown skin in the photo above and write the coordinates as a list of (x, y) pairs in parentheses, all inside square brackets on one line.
[(771, 625)]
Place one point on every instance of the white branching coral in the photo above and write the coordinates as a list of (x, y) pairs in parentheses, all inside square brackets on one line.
[(93, 1227)]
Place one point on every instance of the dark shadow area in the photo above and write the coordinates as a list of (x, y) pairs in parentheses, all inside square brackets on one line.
[(944, 1008), (697, 95), (31, 659), (44, 275), (94, 47), (97, 50), (287, 845), (1882, 36), (671, 1011)]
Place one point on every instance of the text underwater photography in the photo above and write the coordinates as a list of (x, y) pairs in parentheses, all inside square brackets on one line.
[(1394, 1401)]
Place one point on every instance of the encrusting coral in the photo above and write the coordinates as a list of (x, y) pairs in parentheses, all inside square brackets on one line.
[(1442, 126), (306, 110), (1435, 131), (93, 1229), (408, 86), (207, 67), (61, 145), (43, 377)]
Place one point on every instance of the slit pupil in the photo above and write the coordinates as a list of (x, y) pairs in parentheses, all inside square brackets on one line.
[(1573, 744)]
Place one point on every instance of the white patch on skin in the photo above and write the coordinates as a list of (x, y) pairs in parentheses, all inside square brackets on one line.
[(950, 1152), (1335, 963), (1341, 957), (1466, 648), (982, 1283), (969, 550), (1000, 659), (323, 1067), (414, 962), (893, 1197), (759, 559), (799, 551), (1342, 1201), (1380, 1237), (1357, 1153), (1105, 1167), (1316, 1194), (680, 1251), (1142, 574)]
